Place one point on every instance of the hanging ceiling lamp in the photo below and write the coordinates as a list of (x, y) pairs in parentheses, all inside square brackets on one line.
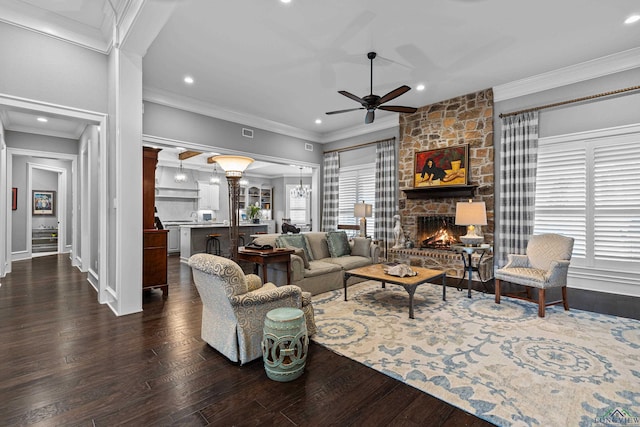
[(300, 192), (180, 177), (215, 179)]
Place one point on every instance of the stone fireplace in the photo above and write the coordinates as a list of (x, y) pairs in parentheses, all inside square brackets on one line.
[(465, 120)]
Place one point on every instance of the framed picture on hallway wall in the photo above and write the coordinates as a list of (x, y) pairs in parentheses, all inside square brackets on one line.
[(441, 167), (14, 199), (44, 202)]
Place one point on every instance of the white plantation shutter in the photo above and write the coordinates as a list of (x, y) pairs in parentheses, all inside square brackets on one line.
[(355, 185), (588, 187), (616, 200), (561, 196)]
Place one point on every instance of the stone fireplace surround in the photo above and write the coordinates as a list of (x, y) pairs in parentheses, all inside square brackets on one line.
[(468, 120)]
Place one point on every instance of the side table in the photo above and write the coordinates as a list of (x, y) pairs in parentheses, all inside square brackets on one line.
[(468, 265), (265, 257)]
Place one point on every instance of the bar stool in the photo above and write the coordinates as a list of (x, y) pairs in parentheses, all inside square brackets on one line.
[(213, 244)]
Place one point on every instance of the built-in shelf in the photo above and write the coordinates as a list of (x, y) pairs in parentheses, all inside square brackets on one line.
[(176, 193), (44, 240), (439, 192), (175, 196)]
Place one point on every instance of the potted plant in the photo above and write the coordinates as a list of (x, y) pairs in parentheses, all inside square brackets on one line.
[(254, 212)]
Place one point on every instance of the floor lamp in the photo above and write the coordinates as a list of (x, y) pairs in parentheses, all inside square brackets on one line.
[(233, 167)]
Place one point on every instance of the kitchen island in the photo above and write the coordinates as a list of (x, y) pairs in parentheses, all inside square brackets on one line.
[(193, 237)]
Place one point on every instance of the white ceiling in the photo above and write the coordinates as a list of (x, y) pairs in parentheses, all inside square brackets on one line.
[(279, 66)]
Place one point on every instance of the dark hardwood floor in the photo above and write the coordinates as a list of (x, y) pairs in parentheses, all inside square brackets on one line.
[(67, 360)]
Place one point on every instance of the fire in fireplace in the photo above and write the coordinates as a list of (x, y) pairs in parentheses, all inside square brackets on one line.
[(438, 231)]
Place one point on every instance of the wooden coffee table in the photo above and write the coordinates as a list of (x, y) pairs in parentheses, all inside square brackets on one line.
[(376, 272)]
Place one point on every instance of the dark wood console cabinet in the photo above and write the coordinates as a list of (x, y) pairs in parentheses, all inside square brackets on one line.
[(154, 242)]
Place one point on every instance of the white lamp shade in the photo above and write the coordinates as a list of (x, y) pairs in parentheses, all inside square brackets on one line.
[(233, 165), (361, 210), (471, 213)]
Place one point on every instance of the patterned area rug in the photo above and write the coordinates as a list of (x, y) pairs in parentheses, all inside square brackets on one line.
[(501, 363)]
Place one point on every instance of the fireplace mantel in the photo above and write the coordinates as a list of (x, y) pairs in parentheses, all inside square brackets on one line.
[(440, 192)]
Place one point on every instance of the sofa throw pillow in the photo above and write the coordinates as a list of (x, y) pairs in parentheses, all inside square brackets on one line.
[(301, 254), (338, 244), (361, 247), (295, 240)]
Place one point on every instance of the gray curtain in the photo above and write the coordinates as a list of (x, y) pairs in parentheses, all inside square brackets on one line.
[(518, 160), (386, 183), (331, 172)]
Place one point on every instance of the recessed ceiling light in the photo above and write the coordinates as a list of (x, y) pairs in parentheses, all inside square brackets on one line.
[(188, 80), (42, 119), (285, 1), (632, 19), (318, 121), (420, 87)]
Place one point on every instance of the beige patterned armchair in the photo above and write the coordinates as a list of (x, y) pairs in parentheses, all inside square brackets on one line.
[(544, 266), (234, 306)]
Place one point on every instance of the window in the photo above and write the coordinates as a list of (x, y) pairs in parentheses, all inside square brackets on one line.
[(587, 188), (356, 184), (297, 209)]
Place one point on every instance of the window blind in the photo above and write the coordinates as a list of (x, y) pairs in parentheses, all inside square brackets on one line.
[(588, 188), (356, 184)]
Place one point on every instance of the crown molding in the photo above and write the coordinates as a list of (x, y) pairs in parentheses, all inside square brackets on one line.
[(606, 65), (33, 18), (169, 99)]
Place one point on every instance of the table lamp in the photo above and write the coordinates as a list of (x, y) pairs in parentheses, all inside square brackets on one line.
[(471, 214), (362, 211)]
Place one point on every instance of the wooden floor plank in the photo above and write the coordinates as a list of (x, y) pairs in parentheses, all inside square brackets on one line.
[(67, 360)]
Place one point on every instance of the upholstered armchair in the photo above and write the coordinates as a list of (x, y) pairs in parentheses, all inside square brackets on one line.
[(234, 306), (544, 266)]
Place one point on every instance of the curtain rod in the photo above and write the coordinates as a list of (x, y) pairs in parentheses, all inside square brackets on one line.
[(572, 101), (353, 147)]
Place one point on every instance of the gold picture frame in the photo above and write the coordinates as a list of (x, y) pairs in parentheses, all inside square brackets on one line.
[(441, 167)]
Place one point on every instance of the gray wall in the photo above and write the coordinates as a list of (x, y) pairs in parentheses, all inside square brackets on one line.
[(19, 177), (46, 69), (598, 114), (172, 123), (41, 180)]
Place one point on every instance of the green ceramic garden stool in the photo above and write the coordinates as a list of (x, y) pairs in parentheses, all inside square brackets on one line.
[(285, 344)]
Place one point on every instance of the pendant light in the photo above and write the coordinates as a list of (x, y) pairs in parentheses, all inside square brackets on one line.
[(215, 179), (300, 192), (180, 177)]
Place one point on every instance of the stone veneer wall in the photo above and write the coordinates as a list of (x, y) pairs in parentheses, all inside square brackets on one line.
[(464, 120)]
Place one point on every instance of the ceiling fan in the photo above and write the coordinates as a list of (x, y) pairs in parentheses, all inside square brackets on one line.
[(372, 102)]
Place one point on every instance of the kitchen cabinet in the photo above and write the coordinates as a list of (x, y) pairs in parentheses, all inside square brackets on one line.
[(173, 244), (208, 196), (253, 196)]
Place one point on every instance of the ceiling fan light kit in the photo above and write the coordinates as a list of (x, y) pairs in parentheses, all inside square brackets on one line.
[(372, 102)]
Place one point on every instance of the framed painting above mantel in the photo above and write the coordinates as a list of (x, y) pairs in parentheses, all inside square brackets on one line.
[(441, 167)]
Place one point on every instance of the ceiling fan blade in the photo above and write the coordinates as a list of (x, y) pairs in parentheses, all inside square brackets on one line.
[(352, 96), (398, 108), (344, 111), (369, 117), (394, 94)]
